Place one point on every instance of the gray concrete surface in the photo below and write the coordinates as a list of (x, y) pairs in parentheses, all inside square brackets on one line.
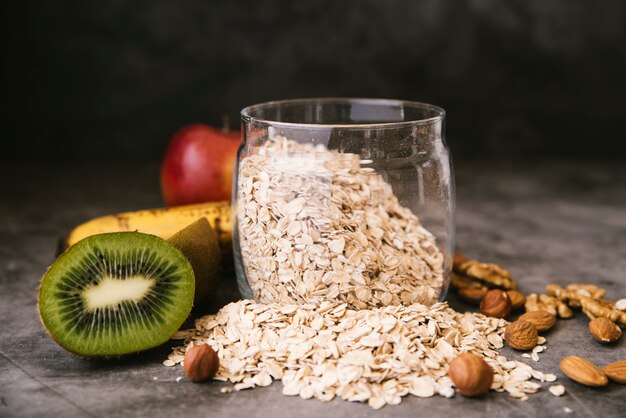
[(547, 222)]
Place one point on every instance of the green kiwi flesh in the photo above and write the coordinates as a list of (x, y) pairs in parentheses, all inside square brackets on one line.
[(115, 294)]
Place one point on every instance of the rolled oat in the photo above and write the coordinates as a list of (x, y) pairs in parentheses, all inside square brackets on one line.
[(314, 225), (374, 355)]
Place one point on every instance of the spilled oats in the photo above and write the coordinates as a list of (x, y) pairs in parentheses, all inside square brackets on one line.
[(374, 355)]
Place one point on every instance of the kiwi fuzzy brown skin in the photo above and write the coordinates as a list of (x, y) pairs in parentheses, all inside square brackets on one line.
[(199, 243), (101, 356), (62, 245)]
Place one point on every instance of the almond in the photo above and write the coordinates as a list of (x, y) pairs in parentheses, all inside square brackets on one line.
[(521, 335), (471, 375), (201, 362), (517, 298), (617, 371), (604, 330), (583, 372), (472, 295), (542, 320), (496, 304)]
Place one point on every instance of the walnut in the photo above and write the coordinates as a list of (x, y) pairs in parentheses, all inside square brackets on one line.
[(489, 273), (594, 291), (461, 282), (595, 309), (549, 304), (477, 275), (574, 291)]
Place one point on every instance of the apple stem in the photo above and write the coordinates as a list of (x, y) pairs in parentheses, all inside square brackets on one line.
[(225, 123)]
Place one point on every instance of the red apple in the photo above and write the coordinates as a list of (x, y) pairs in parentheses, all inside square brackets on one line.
[(198, 165)]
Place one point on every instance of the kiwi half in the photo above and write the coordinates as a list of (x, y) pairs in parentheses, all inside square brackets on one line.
[(114, 294)]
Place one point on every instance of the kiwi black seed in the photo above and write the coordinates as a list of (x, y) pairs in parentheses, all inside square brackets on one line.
[(115, 294)]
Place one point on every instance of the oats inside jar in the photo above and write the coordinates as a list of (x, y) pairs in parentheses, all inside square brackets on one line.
[(315, 225)]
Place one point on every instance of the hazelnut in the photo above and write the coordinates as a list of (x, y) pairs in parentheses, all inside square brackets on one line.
[(604, 330), (517, 298), (201, 362), (542, 320), (459, 258), (496, 304), (471, 374), (521, 335)]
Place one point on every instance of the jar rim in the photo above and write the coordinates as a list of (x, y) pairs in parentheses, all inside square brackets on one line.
[(247, 113)]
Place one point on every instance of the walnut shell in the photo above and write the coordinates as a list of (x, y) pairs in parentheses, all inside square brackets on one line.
[(201, 363), (542, 320), (583, 372), (496, 304), (604, 330), (521, 335), (471, 374)]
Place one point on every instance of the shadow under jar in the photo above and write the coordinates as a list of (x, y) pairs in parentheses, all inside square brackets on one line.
[(349, 200)]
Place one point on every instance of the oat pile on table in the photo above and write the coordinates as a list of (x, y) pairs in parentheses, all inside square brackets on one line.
[(314, 225), (373, 355)]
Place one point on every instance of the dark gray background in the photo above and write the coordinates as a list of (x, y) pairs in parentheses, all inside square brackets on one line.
[(112, 80)]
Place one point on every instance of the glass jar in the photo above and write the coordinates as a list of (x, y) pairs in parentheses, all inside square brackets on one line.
[(349, 200)]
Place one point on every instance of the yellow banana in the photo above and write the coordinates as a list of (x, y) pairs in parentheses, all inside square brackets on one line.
[(162, 222)]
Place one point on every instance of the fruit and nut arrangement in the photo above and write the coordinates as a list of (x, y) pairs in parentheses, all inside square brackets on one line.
[(492, 288), (345, 281)]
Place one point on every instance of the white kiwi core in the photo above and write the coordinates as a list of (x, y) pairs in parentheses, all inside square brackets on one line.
[(110, 292)]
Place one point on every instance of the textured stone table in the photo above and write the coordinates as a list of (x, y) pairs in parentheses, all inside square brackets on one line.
[(547, 222)]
